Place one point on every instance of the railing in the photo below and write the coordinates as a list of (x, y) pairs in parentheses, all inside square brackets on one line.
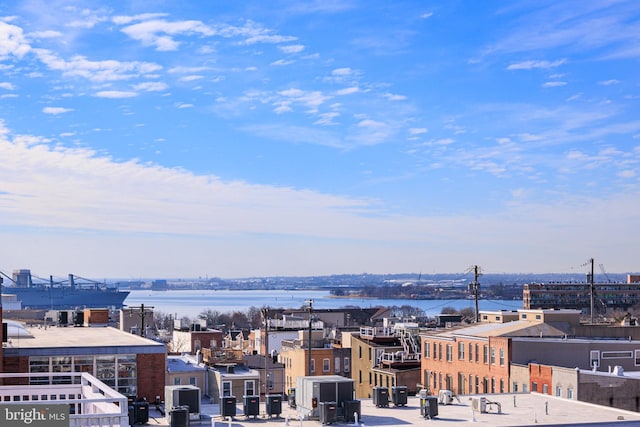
[(399, 357), (91, 402), (373, 332)]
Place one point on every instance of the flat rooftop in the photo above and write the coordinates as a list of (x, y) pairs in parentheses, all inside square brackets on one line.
[(529, 410), (85, 337)]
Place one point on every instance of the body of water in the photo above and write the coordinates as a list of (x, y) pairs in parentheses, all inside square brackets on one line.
[(193, 302)]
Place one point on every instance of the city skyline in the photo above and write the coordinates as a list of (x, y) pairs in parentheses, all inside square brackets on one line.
[(172, 139)]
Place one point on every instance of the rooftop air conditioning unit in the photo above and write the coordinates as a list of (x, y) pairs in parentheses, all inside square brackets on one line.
[(479, 404), (177, 396)]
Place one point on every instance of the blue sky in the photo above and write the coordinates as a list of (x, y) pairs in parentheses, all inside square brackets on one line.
[(235, 139)]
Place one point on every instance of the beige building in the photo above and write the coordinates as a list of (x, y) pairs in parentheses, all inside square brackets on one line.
[(383, 357), (325, 359)]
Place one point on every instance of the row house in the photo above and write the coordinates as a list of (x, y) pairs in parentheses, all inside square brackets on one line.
[(488, 357), (476, 359), (385, 356), (320, 358), (195, 338)]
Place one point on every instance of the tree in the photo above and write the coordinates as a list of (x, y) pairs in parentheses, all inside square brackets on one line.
[(448, 310)]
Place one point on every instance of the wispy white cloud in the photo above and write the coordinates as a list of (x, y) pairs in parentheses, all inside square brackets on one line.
[(150, 86), (295, 48), (529, 65), (609, 82), (96, 71), (554, 84), (12, 41), (56, 110), (7, 86), (418, 131), (348, 90), (395, 97), (160, 33), (115, 94)]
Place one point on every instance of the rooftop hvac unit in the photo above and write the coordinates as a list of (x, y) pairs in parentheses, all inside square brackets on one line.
[(274, 404), (228, 406), (429, 407), (399, 395), (445, 397), (251, 406), (328, 412), (176, 396), (479, 404), (381, 396)]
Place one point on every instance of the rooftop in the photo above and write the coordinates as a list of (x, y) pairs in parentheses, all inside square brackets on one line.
[(49, 337), (529, 410)]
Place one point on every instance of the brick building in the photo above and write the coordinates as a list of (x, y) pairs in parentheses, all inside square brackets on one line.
[(325, 358), (383, 357), (131, 365)]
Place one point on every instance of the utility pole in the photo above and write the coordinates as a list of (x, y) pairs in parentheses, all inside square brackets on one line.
[(310, 308), (592, 289), (265, 314), (475, 288), (142, 315)]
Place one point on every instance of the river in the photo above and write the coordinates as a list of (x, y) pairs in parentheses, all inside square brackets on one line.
[(193, 302)]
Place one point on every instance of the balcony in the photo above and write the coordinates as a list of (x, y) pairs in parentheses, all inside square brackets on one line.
[(91, 402), (400, 360), (378, 334)]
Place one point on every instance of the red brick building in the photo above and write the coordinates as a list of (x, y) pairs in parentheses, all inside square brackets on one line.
[(130, 364)]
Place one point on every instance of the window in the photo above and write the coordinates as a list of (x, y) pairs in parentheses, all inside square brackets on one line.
[(470, 352), (538, 317), (515, 387), (369, 352), (270, 380), (369, 378), (226, 388), (313, 366), (347, 364), (477, 353), (435, 352), (545, 388), (197, 345), (249, 388), (360, 377), (485, 354), (637, 357), (594, 358), (525, 388), (569, 393), (326, 365), (177, 381), (193, 381), (534, 386), (336, 364), (617, 355), (449, 353), (360, 352), (427, 349), (493, 355), (460, 351), (440, 351), (523, 315), (559, 391), (501, 385), (502, 357)]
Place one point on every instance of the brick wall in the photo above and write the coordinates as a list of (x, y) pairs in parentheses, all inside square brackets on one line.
[(151, 375)]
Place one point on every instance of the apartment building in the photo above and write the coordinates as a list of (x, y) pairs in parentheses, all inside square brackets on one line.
[(385, 356), (325, 359), (483, 358)]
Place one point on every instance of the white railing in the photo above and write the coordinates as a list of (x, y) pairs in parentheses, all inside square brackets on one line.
[(91, 402), (373, 332)]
